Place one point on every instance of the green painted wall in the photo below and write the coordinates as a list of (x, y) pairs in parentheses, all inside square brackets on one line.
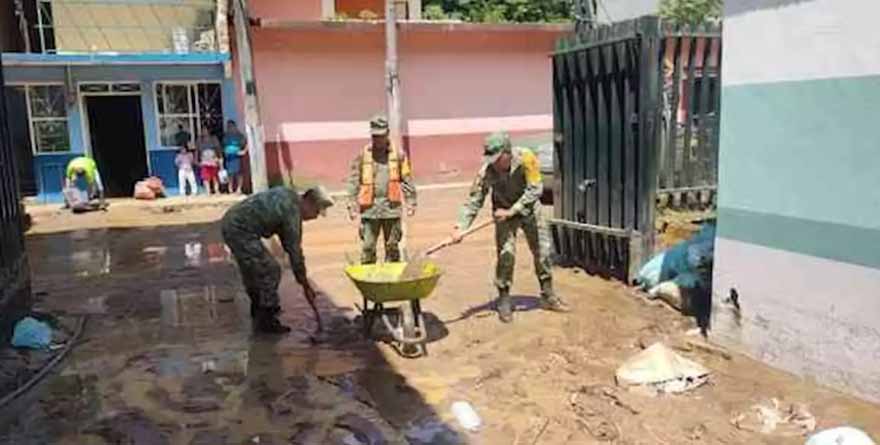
[(800, 167)]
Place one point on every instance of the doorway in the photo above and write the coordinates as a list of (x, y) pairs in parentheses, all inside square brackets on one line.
[(116, 131)]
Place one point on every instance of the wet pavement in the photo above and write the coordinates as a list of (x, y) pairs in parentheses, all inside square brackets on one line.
[(169, 357)]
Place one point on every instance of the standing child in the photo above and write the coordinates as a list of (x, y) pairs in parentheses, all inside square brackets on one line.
[(185, 173), (209, 159)]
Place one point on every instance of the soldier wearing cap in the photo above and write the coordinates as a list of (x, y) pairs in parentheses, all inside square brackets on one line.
[(277, 211), (379, 186), (514, 177)]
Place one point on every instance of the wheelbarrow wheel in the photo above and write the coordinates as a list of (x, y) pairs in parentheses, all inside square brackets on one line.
[(410, 323)]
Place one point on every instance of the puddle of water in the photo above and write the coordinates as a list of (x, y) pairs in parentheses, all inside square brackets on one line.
[(170, 356)]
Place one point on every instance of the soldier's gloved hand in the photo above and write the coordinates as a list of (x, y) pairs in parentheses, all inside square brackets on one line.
[(502, 214), (410, 211)]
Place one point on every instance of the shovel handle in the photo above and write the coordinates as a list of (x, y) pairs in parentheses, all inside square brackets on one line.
[(448, 242)]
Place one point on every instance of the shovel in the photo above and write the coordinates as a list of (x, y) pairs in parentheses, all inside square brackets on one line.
[(415, 266)]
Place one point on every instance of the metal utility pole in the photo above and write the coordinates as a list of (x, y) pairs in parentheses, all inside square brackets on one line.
[(253, 125)]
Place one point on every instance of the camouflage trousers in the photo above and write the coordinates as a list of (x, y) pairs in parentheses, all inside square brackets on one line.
[(538, 238), (260, 272), (391, 230)]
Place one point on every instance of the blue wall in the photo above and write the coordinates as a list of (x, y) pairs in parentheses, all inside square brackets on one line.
[(49, 167)]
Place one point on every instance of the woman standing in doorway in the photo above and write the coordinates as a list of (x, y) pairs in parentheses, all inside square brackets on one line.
[(210, 160), (234, 147)]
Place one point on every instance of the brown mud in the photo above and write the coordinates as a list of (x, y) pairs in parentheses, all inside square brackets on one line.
[(168, 356)]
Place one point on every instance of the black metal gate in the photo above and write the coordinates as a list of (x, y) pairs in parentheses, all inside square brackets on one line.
[(14, 271), (611, 125)]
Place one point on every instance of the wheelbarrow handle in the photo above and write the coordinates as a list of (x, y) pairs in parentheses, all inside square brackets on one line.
[(448, 242)]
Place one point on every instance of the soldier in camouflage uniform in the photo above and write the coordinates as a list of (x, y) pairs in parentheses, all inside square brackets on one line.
[(277, 211), (379, 182), (514, 177)]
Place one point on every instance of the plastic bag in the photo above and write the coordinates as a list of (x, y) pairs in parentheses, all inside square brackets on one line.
[(686, 257), (840, 436), (32, 334), (223, 176)]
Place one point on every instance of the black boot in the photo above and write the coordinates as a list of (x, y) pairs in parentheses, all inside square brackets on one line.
[(549, 300), (504, 306), (266, 321)]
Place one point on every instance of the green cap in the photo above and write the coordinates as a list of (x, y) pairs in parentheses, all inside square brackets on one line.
[(379, 125), (496, 143), (320, 196)]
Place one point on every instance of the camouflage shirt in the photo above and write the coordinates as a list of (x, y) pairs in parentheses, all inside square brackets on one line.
[(518, 190), (273, 212), (382, 208)]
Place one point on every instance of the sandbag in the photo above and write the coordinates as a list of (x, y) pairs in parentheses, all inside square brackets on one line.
[(142, 190), (687, 257), (155, 184)]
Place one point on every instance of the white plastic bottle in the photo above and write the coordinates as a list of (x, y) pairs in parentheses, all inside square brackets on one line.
[(466, 416)]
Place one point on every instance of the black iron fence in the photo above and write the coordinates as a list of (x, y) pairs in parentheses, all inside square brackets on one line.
[(14, 271), (635, 117)]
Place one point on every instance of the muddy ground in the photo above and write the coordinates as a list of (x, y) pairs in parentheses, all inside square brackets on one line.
[(168, 356)]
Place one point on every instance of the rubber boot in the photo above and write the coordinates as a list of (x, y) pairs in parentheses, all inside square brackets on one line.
[(549, 300), (504, 306), (267, 322)]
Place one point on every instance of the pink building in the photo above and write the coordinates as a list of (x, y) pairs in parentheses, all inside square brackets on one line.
[(320, 81)]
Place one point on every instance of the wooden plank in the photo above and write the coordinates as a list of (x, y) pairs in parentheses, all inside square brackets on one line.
[(567, 177), (615, 136), (716, 122), (602, 146), (591, 155), (703, 130), (630, 199), (595, 43), (575, 73), (649, 120), (557, 141), (604, 230), (672, 130), (689, 113), (602, 155), (575, 128)]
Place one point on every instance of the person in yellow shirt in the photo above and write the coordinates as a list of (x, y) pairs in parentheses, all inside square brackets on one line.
[(83, 184)]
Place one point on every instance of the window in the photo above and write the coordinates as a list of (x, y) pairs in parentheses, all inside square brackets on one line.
[(44, 27), (47, 117), (188, 106)]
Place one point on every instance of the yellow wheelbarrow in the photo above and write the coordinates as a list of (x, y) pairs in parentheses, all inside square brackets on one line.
[(382, 285)]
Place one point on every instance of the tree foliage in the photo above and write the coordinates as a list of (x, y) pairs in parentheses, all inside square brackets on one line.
[(499, 11), (691, 12)]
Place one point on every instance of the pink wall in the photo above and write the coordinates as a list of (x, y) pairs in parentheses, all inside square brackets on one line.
[(286, 9), (319, 86)]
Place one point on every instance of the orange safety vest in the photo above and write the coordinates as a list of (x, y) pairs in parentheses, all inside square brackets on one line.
[(396, 169)]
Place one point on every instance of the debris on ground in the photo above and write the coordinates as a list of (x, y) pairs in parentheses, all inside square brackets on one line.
[(840, 436), (433, 431), (31, 333), (606, 393), (363, 432), (776, 418), (466, 415), (660, 370), (685, 258), (149, 189)]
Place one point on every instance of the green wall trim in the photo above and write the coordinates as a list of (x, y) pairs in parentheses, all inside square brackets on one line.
[(807, 149), (838, 242)]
